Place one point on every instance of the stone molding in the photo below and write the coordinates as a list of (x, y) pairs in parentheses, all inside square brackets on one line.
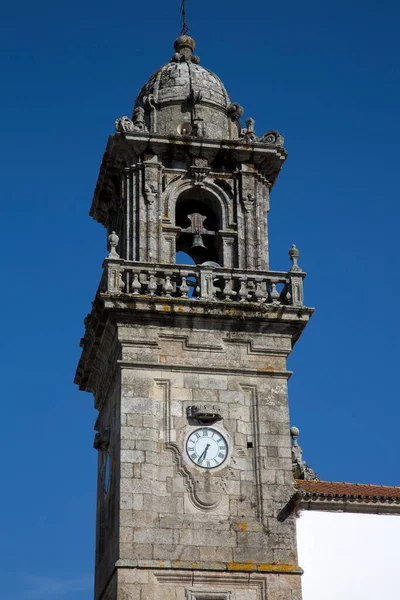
[(190, 480), (174, 571), (206, 369)]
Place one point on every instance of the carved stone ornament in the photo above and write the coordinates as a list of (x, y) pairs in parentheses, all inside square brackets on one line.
[(235, 111), (199, 161), (113, 240), (199, 178), (272, 137), (300, 468), (150, 192), (248, 134), (184, 46), (102, 439), (149, 102), (294, 254), (199, 170), (194, 97), (138, 119), (199, 128), (203, 414), (248, 201), (124, 124)]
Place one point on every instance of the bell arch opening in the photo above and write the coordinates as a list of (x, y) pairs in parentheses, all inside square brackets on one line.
[(198, 214)]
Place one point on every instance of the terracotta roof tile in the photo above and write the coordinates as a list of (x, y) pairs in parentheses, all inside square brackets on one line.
[(350, 490)]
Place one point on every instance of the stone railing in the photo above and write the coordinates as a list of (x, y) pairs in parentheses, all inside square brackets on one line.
[(203, 282)]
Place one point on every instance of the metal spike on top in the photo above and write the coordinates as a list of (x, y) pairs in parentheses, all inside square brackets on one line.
[(185, 27)]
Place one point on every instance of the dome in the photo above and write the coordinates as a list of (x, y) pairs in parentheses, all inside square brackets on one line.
[(184, 99)]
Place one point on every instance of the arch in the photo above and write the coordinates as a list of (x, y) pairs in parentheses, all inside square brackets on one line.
[(198, 201), (209, 188)]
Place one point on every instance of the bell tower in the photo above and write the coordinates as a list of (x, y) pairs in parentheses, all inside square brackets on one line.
[(187, 362)]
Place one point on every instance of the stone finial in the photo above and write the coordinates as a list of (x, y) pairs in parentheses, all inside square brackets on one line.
[(113, 240), (138, 119), (184, 46), (300, 468), (248, 134), (250, 125), (294, 257), (296, 450)]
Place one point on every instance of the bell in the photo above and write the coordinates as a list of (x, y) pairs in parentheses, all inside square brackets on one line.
[(197, 242)]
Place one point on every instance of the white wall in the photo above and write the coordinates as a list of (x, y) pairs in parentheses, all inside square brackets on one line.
[(349, 556)]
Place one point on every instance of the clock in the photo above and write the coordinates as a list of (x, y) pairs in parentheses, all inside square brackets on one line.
[(207, 447)]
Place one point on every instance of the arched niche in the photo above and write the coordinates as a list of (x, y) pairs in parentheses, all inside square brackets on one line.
[(209, 189), (198, 215)]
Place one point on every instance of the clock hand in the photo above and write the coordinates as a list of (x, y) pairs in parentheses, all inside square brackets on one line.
[(203, 454)]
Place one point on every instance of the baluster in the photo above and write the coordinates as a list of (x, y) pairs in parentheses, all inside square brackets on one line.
[(152, 285), (196, 287), (227, 290), (167, 286), (242, 293), (259, 294), (274, 294), (251, 290), (121, 283), (136, 285), (184, 288), (127, 282)]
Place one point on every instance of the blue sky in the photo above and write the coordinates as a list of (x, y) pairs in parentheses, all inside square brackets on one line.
[(324, 74)]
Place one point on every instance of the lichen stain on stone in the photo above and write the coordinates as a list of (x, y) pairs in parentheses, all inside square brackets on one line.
[(278, 567), (233, 566), (251, 566), (242, 526)]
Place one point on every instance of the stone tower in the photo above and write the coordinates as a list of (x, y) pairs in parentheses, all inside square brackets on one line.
[(187, 363)]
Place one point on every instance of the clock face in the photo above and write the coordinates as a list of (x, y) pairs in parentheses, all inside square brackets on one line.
[(207, 447)]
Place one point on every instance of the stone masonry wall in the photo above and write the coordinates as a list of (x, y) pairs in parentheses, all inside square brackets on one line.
[(174, 515)]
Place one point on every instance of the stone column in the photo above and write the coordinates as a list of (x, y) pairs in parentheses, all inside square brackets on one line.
[(150, 187)]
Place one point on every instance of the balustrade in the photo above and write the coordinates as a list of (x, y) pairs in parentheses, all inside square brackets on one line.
[(203, 282)]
